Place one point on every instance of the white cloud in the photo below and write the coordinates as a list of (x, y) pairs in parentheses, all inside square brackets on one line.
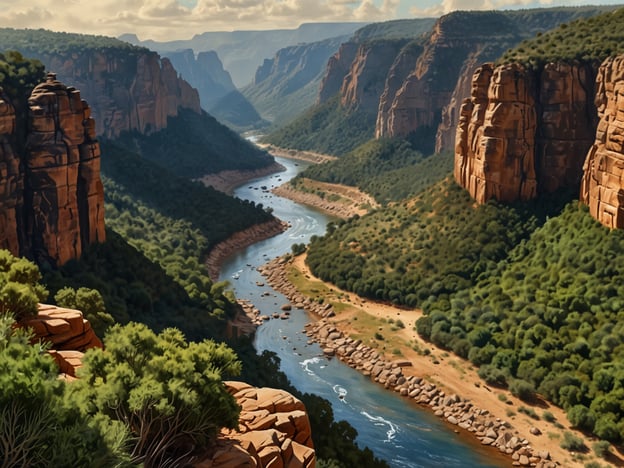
[(179, 19)]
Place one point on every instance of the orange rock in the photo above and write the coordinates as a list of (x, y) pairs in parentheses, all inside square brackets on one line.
[(602, 186)]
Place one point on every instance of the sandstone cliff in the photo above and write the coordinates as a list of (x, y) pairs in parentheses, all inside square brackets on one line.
[(602, 187), (364, 83), (138, 90), (52, 199), (524, 132), (338, 66)]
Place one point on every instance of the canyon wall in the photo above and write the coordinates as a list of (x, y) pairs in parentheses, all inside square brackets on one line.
[(52, 198), (128, 90), (525, 132), (602, 188)]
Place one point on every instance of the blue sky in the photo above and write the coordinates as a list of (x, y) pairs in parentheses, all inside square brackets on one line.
[(181, 19)]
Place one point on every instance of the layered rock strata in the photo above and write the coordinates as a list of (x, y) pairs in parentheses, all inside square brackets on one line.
[(51, 194), (63, 189), (138, 90), (274, 431), (602, 188), (338, 66), (364, 83), (524, 132), (66, 331), (11, 180)]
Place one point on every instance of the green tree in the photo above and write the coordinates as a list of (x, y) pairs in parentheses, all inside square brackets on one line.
[(167, 391), (20, 290), (33, 416), (90, 302)]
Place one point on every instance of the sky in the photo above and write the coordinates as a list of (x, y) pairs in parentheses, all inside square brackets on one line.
[(166, 20)]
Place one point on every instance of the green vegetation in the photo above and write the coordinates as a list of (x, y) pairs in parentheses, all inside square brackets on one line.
[(19, 75), (419, 251), (194, 145), (40, 42), (327, 128), (167, 393), (387, 169), (20, 290), (34, 415), (594, 38)]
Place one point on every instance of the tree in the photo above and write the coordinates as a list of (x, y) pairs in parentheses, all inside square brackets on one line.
[(20, 290), (33, 416), (90, 302), (168, 392)]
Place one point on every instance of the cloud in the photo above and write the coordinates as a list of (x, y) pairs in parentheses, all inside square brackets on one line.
[(180, 19)]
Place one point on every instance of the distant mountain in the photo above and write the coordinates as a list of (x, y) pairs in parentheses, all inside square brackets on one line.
[(242, 52), (287, 84), (217, 93)]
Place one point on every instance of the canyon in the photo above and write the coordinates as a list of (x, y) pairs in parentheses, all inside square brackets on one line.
[(52, 197)]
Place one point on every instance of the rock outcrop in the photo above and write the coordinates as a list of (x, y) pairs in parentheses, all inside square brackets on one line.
[(524, 132), (274, 431), (67, 332), (51, 194), (338, 66), (364, 83), (136, 90), (602, 187), (63, 190), (11, 180)]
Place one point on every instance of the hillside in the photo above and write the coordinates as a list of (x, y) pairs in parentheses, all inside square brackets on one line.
[(424, 83), (194, 145), (287, 84)]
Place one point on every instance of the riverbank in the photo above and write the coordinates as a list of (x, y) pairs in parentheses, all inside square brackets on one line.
[(379, 341), (227, 181), (336, 200), (309, 156), (239, 241)]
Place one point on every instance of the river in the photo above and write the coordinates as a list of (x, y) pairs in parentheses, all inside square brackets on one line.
[(393, 428)]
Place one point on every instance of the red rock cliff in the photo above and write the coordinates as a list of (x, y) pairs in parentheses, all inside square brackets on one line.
[(364, 83), (524, 132), (52, 199), (338, 66), (602, 188), (135, 91)]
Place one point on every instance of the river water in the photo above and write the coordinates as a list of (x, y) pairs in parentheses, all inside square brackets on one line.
[(392, 427)]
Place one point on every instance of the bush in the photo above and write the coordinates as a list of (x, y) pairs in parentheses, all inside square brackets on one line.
[(602, 448), (572, 443), (521, 389), (168, 392)]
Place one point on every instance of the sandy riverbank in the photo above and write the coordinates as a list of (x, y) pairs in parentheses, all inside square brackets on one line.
[(309, 156), (227, 181), (360, 319), (340, 201), (239, 241)]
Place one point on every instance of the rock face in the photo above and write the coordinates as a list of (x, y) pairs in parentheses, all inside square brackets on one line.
[(52, 197), (338, 66), (274, 431), (364, 83), (132, 91), (205, 73), (11, 180), (68, 333), (602, 188), (63, 190), (524, 132)]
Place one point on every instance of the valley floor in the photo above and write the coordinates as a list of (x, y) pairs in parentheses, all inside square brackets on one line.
[(363, 319)]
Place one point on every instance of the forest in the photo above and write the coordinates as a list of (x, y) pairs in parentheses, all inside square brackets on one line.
[(531, 293)]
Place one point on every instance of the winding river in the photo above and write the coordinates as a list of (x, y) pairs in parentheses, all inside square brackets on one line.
[(392, 427)]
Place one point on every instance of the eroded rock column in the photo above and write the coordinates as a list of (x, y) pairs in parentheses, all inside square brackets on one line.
[(602, 188)]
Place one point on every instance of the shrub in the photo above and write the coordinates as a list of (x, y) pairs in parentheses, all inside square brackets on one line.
[(572, 443)]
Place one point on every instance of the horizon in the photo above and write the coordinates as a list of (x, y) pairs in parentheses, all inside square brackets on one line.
[(172, 20)]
